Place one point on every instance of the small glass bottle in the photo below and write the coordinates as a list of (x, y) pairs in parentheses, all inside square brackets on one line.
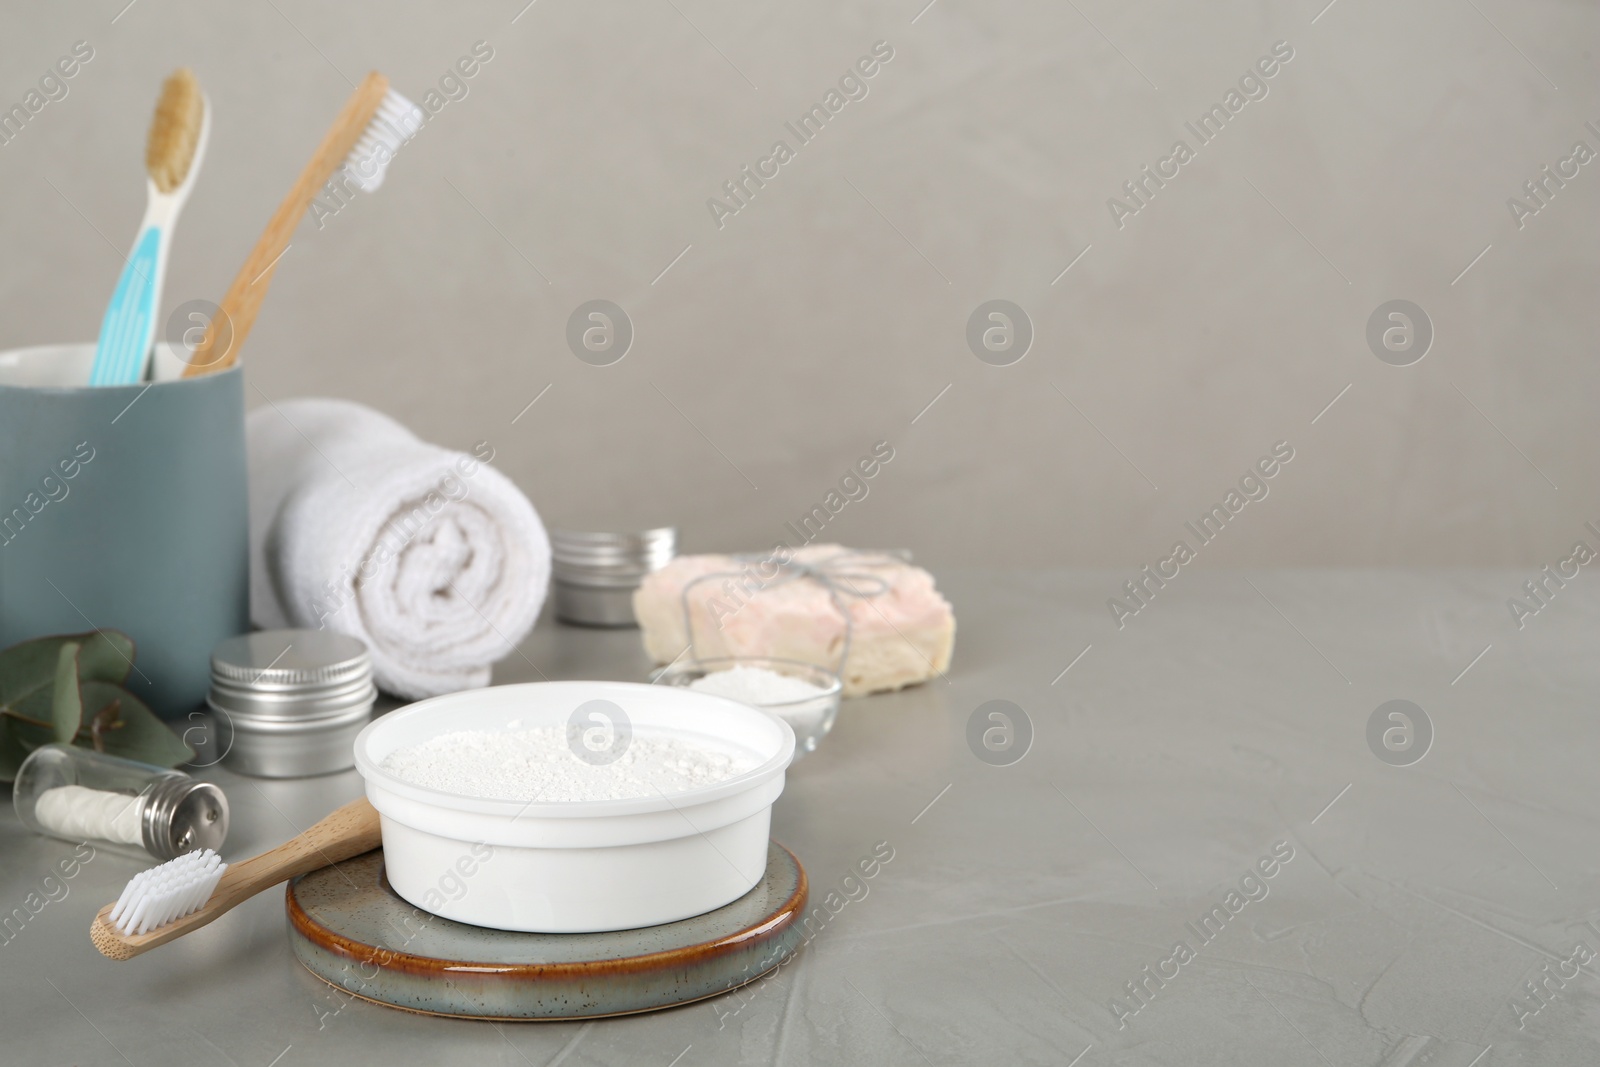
[(78, 795)]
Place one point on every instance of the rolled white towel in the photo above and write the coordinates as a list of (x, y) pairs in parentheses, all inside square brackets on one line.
[(432, 557)]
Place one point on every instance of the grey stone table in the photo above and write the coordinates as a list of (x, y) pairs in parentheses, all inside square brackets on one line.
[(1438, 913)]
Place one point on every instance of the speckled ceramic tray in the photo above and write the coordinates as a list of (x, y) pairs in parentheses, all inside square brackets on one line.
[(351, 930)]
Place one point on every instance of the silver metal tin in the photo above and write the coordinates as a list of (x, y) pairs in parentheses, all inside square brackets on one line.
[(589, 605), (595, 574), (289, 703)]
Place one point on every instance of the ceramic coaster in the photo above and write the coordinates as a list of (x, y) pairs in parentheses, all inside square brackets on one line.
[(351, 930)]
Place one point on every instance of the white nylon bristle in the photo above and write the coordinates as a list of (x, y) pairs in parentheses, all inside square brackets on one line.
[(164, 894), (396, 121)]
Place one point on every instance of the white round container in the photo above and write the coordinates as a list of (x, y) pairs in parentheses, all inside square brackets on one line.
[(586, 866)]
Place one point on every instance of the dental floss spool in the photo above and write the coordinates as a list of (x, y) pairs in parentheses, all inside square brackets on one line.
[(81, 813), (80, 795)]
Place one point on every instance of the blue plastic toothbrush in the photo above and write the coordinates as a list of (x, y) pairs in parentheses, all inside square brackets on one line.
[(173, 152)]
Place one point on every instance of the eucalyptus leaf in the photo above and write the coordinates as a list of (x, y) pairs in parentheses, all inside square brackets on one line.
[(28, 668), (106, 656), (17, 739), (132, 730), (67, 688), (67, 702), (37, 707), (12, 749)]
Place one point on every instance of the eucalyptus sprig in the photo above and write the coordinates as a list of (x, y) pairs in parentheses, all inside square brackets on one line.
[(69, 688)]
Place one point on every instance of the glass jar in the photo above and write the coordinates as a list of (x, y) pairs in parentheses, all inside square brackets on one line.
[(79, 795), (810, 714)]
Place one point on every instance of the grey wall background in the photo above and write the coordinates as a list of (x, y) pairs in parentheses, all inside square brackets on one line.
[(828, 313)]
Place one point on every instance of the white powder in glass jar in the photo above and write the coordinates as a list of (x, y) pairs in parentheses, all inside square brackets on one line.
[(805, 707), (757, 686), (537, 764)]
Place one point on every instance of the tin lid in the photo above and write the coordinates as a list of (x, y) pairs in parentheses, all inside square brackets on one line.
[(291, 674), (605, 558), (290, 658), (181, 815)]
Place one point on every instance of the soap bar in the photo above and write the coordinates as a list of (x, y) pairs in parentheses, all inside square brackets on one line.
[(901, 629)]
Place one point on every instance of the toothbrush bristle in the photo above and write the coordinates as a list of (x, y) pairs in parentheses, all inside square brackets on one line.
[(175, 131), (167, 893), (396, 121)]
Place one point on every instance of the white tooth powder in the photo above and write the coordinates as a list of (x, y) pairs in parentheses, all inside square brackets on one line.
[(756, 685), (796, 701), (535, 763)]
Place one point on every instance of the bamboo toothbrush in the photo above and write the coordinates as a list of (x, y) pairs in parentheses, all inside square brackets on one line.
[(172, 155), (184, 894), (374, 124)]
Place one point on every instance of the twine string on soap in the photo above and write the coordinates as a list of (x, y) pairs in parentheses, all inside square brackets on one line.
[(837, 574)]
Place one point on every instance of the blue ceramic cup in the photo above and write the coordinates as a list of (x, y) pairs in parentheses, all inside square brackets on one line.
[(124, 508)]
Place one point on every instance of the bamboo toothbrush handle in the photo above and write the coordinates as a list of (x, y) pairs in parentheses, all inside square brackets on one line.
[(349, 831), (237, 315)]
